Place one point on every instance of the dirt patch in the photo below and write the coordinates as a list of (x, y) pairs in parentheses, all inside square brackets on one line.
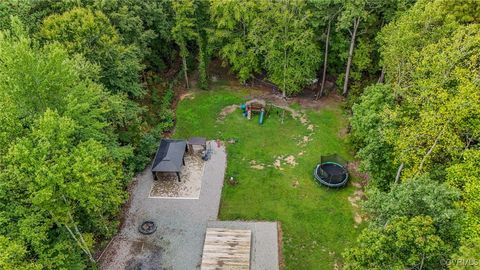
[(304, 140), (256, 166), (310, 127), (355, 199), (281, 259), (188, 95), (278, 164), (357, 196), (343, 132), (359, 193), (297, 115), (303, 119), (226, 111), (284, 105), (256, 101), (279, 160), (146, 254), (168, 185), (336, 266), (358, 218), (295, 183), (354, 169), (305, 101), (357, 184), (290, 160), (269, 92), (142, 253)]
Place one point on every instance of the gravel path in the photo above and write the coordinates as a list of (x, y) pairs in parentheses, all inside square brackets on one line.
[(178, 241)]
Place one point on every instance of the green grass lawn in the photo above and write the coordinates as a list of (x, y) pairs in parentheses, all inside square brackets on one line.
[(317, 222)]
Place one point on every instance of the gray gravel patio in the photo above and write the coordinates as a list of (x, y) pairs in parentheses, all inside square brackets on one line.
[(181, 226)]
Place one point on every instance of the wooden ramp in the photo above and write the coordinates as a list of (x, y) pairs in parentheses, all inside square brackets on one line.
[(226, 249)]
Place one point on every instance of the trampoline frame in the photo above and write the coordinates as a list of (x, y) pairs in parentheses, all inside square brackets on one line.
[(323, 182)]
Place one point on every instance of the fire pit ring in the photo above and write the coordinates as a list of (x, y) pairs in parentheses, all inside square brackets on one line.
[(147, 227)]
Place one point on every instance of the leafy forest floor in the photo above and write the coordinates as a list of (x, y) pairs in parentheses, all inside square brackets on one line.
[(272, 166)]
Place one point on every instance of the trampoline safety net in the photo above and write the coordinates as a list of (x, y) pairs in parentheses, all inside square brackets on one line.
[(331, 171), (333, 158)]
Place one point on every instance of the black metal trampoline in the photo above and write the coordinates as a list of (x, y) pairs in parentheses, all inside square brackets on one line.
[(330, 172)]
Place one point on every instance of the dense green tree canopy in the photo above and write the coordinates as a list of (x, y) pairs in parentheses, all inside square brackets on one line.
[(275, 36), (91, 34), (144, 24), (417, 197), (415, 225), (184, 28), (425, 123), (86, 89), (371, 126), (56, 141), (435, 116), (233, 36), (55, 80), (402, 244), (13, 254), (288, 44)]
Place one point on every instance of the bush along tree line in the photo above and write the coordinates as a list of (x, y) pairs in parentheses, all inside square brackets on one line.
[(86, 94)]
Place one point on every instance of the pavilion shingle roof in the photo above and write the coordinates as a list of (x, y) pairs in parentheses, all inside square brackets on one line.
[(169, 157)]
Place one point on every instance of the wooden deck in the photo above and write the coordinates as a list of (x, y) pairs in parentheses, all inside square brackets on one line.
[(226, 249)]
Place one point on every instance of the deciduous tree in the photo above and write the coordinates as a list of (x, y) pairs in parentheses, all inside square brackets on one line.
[(91, 34), (61, 165), (183, 30), (404, 243), (233, 37), (288, 45)]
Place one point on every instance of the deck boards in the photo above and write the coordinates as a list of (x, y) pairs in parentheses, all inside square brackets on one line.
[(226, 249)]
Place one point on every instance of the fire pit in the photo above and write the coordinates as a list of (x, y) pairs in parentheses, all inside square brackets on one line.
[(147, 227)]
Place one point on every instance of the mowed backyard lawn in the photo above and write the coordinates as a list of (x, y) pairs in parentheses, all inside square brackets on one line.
[(317, 222)]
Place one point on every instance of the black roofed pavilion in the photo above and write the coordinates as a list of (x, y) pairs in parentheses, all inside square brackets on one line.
[(169, 157)]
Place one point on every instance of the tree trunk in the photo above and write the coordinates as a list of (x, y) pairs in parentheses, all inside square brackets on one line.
[(85, 250), (356, 23), (420, 167), (202, 62), (285, 54), (382, 76), (79, 240), (325, 60), (399, 173), (422, 262), (184, 60), (284, 93), (284, 65)]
